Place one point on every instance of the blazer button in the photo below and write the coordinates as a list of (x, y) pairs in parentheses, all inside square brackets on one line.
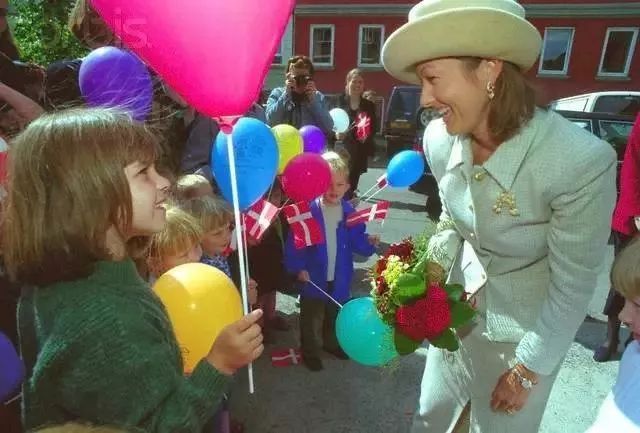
[(479, 176), (472, 235)]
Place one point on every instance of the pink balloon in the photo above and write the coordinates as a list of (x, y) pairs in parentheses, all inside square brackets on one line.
[(214, 53), (306, 177)]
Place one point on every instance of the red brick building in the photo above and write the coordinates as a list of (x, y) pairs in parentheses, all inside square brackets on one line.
[(589, 45)]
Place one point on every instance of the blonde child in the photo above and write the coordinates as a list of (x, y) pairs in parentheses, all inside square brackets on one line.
[(620, 411), (216, 219), (328, 265), (178, 243), (80, 428), (84, 194), (191, 186)]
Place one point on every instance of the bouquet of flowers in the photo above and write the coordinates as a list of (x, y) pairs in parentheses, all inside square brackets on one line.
[(416, 303)]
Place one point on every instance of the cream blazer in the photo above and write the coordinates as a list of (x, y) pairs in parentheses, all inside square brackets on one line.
[(537, 214)]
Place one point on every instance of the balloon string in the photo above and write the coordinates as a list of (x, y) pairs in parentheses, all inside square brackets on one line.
[(325, 293), (246, 248), (370, 189), (375, 194), (241, 250)]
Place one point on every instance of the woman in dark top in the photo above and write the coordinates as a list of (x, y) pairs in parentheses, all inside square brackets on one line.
[(359, 138)]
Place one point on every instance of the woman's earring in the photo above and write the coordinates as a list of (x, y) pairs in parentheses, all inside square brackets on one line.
[(491, 90)]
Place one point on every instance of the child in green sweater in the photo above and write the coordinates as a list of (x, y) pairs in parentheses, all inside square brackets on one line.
[(84, 197)]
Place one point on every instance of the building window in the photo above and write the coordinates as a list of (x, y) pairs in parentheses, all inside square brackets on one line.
[(617, 52), (556, 50), (322, 40), (370, 41)]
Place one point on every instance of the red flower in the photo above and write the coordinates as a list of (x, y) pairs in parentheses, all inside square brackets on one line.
[(381, 285), (404, 250), (426, 318), (381, 265)]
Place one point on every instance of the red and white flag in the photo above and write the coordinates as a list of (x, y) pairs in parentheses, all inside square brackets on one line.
[(363, 126), (378, 211), (306, 230), (382, 181), (259, 218), (286, 357)]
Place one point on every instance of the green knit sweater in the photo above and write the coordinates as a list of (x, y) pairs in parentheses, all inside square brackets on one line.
[(102, 350)]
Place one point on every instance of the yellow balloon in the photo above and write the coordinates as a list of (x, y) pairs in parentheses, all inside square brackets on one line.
[(289, 142), (201, 300)]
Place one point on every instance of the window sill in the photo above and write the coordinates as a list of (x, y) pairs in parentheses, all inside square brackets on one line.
[(553, 76), (612, 78), (371, 67), (324, 67)]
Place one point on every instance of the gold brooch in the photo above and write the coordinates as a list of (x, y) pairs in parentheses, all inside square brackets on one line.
[(506, 201)]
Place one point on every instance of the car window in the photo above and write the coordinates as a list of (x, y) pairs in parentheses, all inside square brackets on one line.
[(617, 104), (584, 124), (573, 104), (616, 133), (404, 104)]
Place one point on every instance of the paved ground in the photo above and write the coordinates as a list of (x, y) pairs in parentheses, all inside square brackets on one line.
[(349, 398)]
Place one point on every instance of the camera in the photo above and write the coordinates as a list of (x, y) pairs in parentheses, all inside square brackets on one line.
[(302, 80)]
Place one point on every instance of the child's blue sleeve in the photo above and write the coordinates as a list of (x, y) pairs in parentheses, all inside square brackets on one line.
[(359, 241), (294, 259)]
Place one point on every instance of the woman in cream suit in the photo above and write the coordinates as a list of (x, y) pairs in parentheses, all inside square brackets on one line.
[(527, 199)]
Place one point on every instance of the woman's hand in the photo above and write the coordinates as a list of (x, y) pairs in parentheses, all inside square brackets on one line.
[(340, 136), (237, 345), (510, 395)]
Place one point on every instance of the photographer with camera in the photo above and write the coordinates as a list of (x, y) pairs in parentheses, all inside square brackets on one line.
[(299, 103)]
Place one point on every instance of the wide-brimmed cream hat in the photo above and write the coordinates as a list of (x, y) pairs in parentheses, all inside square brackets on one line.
[(492, 29)]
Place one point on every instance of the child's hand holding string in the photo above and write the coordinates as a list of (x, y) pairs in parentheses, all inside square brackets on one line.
[(237, 345)]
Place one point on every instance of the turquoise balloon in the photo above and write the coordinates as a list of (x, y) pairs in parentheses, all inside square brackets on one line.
[(363, 335)]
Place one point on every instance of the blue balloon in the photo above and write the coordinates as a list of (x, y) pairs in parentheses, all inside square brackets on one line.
[(363, 335), (11, 369), (405, 169), (256, 156), (115, 78)]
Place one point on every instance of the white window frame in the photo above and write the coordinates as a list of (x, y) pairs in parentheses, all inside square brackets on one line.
[(632, 48), (312, 28), (567, 58), (360, 35)]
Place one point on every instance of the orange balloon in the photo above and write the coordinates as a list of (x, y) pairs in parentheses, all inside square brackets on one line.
[(201, 300)]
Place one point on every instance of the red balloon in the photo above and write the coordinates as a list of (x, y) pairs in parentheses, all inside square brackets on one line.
[(214, 53), (306, 177)]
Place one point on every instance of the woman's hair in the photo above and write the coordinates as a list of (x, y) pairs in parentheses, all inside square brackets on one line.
[(88, 26), (336, 162), (67, 187), (514, 103), (625, 272), (180, 233), (188, 185), (212, 213), (350, 76)]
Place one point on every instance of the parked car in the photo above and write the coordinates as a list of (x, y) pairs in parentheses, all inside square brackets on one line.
[(612, 128), (404, 119), (623, 103)]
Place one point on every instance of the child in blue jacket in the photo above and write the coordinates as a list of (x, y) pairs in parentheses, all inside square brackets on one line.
[(328, 265)]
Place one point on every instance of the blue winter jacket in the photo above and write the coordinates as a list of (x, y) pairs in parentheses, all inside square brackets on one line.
[(314, 259)]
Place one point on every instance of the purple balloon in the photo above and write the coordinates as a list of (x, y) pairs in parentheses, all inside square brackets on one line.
[(111, 77), (11, 368), (313, 138)]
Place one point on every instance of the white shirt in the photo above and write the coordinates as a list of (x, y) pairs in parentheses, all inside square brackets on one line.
[(332, 216), (620, 411)]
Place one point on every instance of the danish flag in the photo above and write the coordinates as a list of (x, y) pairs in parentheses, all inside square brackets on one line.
[(306, 230), (382, 181), (363, 126), (378, 211), (286, 357), (259, 218)]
